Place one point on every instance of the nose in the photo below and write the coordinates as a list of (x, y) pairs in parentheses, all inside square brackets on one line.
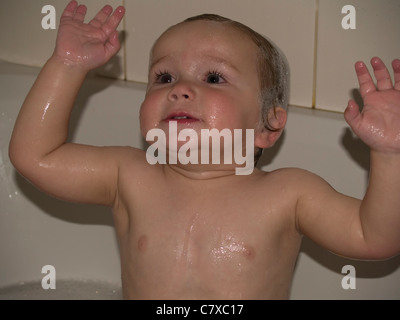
[(182, 90)]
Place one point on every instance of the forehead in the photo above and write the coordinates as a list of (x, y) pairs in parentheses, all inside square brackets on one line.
[(212, 38)]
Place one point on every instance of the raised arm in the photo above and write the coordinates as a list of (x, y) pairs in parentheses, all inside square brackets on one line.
[(378, 125), (369, 228), (38, 147)]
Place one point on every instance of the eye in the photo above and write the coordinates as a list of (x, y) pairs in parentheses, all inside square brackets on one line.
[(163, 77), (215, 77)]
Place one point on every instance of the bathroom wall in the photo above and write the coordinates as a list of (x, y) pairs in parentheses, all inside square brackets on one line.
[(321, 54)]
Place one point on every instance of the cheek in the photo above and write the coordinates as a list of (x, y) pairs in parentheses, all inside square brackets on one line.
[(149, 112), (233, 111), (221, 110)]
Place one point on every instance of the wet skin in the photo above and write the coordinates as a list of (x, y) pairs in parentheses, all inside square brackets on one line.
[(200, 231)]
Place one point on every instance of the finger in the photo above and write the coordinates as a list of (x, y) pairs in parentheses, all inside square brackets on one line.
[(352, 114), (101, 16), (69, 10), (113, 21), (113, 44), (80, 13), (364, 79), (396, 70), (384, 82)]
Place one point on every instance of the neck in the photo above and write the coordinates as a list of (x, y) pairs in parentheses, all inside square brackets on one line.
[(206, 172)]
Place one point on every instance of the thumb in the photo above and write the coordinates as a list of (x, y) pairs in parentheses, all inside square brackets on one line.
[(352, 114), (113, 44)]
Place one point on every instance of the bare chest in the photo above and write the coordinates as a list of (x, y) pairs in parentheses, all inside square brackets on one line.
[(209, 246), (206, 242)]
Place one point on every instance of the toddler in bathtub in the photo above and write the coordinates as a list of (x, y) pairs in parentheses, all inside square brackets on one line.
[(197, 231)]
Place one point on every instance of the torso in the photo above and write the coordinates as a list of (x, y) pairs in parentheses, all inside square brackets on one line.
[(226, 238)]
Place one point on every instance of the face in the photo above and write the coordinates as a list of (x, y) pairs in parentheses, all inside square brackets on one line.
[(202, 75)]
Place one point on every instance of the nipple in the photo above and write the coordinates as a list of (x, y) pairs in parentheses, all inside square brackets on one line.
[(142, 243), (230, 248)]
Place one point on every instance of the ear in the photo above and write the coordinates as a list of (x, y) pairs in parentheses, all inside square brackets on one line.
[(265, 138)]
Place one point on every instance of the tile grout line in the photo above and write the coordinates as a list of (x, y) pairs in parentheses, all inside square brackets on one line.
[(314, 86), (124, 46)]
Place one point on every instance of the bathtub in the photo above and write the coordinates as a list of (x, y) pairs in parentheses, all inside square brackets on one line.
[(79, 241), (36, 230)]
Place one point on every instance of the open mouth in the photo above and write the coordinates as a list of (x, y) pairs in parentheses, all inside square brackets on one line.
[(181, 117)]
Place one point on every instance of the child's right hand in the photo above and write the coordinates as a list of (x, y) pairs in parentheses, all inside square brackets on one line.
[(88, 45)]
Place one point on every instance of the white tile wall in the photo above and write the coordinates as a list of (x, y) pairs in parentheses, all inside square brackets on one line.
[(24, 41), (377, 33), (290, 24)]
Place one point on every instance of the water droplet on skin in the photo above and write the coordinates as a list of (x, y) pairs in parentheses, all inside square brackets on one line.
[(45, 110), (229, 247)]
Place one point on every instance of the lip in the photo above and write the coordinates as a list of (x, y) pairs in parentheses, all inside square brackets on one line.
[(181, 117)]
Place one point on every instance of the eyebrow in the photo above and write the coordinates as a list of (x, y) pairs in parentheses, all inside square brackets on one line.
[(158, 60), (220, 61), (209, 57)]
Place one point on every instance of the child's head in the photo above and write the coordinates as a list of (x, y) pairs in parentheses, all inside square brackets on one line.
[(265, 67), (273, 69)]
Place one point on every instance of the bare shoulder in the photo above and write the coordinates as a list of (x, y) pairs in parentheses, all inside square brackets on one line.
[(298, 194), (130, 156), (295, 184), (134, 160), (293, 178), (135, 170)]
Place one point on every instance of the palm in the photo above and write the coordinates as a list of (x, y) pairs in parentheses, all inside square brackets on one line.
[(378, 123), (89, 45)]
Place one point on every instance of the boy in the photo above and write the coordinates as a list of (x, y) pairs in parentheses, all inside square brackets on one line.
[(199, 231)]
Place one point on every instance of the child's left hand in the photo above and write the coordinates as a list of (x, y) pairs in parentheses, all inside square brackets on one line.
[(378, 125)]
